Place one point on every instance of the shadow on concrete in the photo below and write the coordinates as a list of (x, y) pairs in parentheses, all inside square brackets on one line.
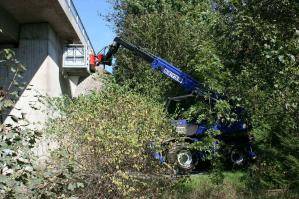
[(39, 49)]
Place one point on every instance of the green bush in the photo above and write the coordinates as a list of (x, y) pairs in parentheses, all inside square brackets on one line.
[(16, 157), (12, 85), (103, 139), (247, 50), (259, 45)]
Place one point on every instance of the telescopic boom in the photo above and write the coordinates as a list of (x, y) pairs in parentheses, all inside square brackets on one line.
[(186, 81)]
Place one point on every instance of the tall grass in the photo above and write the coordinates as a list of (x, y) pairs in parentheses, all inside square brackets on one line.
[(233, 187)]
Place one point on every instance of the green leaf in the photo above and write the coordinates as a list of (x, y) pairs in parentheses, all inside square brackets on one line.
[(80, 185), (281, 59), (8, 103), (71, 186)]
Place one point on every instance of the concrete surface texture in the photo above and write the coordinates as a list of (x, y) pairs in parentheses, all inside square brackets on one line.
[(90, 84), (38, 30), (58, 13), (9, 27), (40, 49)]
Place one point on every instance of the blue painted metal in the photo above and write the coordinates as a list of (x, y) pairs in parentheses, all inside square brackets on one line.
[(185, 80), (159, 156), (181, 122), (193, 86)]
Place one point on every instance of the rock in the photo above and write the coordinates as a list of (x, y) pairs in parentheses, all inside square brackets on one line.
[(90, 84)]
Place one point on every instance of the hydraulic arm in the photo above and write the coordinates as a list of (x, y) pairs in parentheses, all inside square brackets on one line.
[(234, 134), (157, 63)]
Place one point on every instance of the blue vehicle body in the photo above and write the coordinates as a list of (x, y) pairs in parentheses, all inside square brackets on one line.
[(238, 130), (234, 134)]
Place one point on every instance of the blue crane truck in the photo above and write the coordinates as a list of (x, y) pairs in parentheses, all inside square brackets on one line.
[(178, 151)]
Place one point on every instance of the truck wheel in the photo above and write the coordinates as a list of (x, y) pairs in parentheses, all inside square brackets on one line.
[(237, 157), (181, 158)]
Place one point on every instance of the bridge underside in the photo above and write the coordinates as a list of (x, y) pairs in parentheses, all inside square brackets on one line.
[(17, 12), (38, 31)]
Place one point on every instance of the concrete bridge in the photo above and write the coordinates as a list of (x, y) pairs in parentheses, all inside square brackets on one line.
[(39, 31)]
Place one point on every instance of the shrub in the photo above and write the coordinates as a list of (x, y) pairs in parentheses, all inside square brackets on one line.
[(103, 139), (16, 158), (247, 50), (258, 44)]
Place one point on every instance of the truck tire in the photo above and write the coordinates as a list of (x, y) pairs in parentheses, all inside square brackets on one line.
[(237, 157), (181, 158)]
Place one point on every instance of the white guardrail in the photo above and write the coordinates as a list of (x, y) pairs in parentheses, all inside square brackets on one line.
[(75, 14), (76, 56)]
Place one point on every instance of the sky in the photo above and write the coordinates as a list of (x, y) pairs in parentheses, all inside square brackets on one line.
[(99, 31)]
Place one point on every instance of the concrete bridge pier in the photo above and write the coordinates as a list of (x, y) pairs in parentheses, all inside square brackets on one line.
[(9, 28), (39, 31), (40, 50)]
